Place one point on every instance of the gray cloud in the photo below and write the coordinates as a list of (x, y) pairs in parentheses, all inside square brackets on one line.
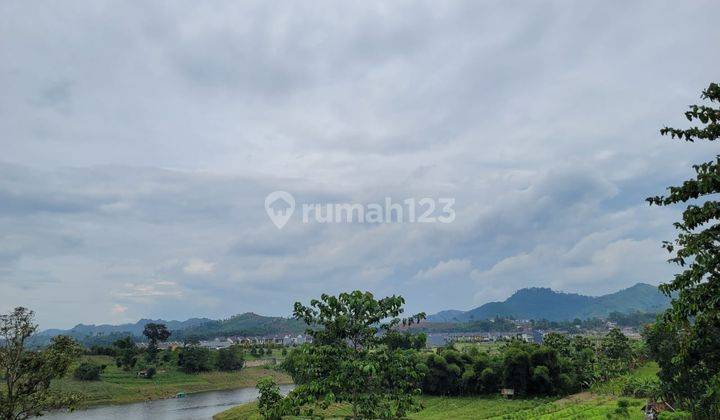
[(139, 142)]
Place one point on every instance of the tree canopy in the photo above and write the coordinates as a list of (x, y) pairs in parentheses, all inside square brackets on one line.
[(27, 374), (349, 360), (691, 327)]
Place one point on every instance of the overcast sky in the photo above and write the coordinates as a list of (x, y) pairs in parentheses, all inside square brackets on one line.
[(139, 140)]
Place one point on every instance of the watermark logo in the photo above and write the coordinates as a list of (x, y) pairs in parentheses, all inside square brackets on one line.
[(280, 206)]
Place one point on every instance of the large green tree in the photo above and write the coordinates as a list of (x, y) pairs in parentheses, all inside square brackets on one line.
[(155, 333), (194, 359), (693, 322), (615, 355), (230, 359), (125, 353), (27, 374), (349, 360)]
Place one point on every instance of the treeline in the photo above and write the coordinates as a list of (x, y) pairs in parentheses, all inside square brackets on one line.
[(190, 358), (635, 319), (247, 324), (560, 366)]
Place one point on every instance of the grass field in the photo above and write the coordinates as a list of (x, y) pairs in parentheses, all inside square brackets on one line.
[(585, 406), (117, 386), (434, 408)]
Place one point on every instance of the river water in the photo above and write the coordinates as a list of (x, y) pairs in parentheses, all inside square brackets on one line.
[(198, 406)]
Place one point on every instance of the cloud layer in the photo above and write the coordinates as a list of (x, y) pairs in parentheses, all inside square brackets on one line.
[(139, 142)]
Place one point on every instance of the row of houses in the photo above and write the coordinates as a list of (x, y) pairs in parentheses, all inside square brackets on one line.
[(225, 342), (441, 339)]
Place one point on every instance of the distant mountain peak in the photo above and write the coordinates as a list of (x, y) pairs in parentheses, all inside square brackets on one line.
[(545, 303)]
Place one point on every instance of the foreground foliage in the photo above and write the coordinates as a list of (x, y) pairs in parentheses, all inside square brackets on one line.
[(686, 342), (27, 374), (350, 361)]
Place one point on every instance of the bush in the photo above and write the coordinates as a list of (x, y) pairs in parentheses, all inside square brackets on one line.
[(150, 372), (229, 360), (640, 387), (622, 409), (87, 372), (268, 401), (102, 351), (194, 359)]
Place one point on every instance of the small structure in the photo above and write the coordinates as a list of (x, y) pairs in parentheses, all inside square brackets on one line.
[(653, 408), (507, 392), (143, 373)]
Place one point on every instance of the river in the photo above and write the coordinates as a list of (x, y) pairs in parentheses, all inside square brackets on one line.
[(197, 406)]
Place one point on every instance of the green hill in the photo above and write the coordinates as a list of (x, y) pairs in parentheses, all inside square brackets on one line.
[(544, 303), (247, 324)]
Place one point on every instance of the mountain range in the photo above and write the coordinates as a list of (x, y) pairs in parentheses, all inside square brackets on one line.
[(247, 324), (543, 303), (531, 303), (132, 329)]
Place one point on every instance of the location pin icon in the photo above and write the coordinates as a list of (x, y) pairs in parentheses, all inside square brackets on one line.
[(279, 206)]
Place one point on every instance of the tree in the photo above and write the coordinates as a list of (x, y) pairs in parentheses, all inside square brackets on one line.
[(125, 355), (348, 360), (191, 340), (87, 372), (154, 333), (405, 340), (269, 399), (615, 354), (27, 374), (516, 370), (695, 310), (442, 376), (229, 359), (194, 359)]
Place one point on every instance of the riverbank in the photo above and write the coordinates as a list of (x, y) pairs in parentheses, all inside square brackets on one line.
[(119, 387)]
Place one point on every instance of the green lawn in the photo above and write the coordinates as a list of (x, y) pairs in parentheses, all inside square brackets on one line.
[(585, 406), (117, 386), (434, 408)]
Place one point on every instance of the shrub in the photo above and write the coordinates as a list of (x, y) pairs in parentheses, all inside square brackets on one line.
[(622, 409), (150, 372), (194, 359), (640, 387), (268, 401), (87, 372), (229, 360)]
